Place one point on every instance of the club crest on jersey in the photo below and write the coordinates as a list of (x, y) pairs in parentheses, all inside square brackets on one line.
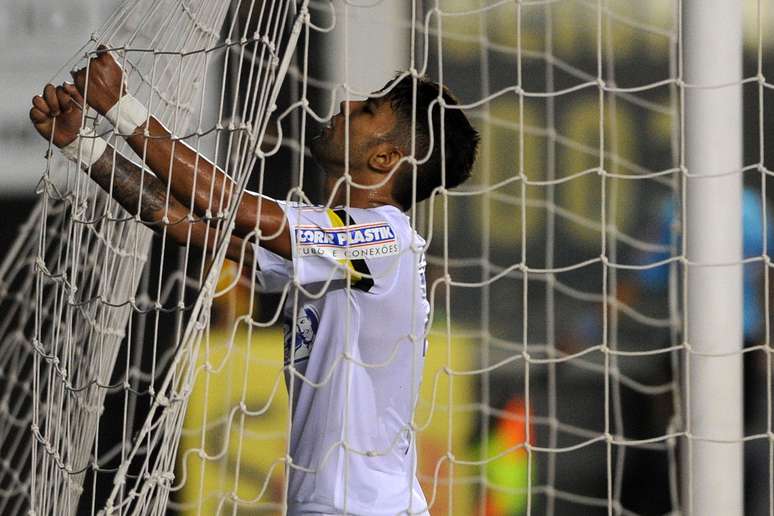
[(307, 323), (351, 242)]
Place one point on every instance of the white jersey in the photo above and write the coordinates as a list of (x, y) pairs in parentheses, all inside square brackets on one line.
[(355, 327)]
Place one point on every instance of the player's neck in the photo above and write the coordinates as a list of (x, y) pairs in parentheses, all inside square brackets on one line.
[(356, 196)]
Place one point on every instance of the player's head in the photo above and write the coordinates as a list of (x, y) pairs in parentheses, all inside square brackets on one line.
[(380, 136), (460, 139)]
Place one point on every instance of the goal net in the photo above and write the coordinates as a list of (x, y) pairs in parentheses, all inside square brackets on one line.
[(142, 377), (89, 282)]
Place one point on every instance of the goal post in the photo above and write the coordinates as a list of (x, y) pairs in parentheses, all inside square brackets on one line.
[(712, 54)]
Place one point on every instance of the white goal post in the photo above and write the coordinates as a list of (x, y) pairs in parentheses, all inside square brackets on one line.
[(712, 56)]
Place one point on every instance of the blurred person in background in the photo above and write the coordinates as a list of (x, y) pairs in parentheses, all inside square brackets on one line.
[(754, 323)]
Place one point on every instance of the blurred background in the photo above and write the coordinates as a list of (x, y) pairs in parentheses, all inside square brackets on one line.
[(560, 311)]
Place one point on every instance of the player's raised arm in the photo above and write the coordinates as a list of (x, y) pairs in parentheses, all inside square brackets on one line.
[(194, 180), (57, 115)]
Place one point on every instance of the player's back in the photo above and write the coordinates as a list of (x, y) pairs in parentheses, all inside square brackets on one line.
[(355, 336)]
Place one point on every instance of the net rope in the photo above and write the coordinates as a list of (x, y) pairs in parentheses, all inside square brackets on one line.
[(88, 262)]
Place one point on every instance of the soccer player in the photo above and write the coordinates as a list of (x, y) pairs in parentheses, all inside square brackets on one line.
[(356, 315)]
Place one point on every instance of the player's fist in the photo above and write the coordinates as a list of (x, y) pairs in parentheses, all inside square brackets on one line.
[(57, 111), (105, 81)]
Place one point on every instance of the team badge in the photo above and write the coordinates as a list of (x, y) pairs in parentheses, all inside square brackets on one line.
[(307, 323)]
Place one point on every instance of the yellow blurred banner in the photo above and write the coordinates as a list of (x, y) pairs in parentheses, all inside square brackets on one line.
[(243, 452)]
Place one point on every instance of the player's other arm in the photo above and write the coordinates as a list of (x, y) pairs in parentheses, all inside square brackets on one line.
[(56, 115), (193, 180)]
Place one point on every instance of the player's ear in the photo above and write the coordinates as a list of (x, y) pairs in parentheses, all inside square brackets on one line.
[(384, 157)]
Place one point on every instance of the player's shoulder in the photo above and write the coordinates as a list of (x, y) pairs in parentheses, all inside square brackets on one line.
[(383, 243), (385, 213), (389, 217), (356, 226), (340, 216)]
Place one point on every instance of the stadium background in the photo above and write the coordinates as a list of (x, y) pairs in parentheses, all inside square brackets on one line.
[(38, 36)]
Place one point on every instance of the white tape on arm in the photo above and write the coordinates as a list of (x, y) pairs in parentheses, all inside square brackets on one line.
[(91, 148), (126, 115)]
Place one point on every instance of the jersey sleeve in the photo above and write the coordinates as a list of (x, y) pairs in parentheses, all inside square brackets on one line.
[(272, 271), (331, 246)]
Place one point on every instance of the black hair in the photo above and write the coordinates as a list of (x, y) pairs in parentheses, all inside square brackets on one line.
[(460, 138)]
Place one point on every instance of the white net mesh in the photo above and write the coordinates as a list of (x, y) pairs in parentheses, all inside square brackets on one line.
[(152, 377), (80, 277)]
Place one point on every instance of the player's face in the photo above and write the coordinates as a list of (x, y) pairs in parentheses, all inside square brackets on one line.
[(370, 121)]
